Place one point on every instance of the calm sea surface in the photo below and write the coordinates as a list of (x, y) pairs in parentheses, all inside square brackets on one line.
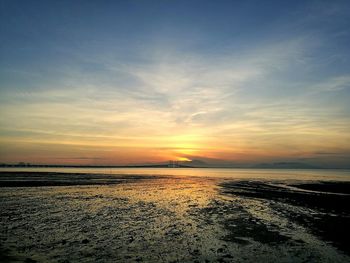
[(269, 174)]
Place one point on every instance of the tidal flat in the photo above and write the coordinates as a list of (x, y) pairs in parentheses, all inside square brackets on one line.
[(66, 217)]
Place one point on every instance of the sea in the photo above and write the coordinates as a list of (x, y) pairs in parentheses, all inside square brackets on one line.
[(229, 173)]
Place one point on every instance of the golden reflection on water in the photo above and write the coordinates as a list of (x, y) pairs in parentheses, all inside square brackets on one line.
[(230, 173)]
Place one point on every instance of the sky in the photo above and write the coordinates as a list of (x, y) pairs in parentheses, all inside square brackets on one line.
[(133, 82)]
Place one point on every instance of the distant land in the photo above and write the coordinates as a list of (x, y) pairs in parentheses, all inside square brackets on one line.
[(179, 164)]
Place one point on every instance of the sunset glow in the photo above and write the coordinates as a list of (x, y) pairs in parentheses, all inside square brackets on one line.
[(183, 159), (116, 89)]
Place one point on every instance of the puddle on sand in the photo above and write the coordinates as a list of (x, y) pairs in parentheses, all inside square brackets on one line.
[(157, 220)]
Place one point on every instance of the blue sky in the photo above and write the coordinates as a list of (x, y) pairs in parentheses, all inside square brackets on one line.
[(144, 81)]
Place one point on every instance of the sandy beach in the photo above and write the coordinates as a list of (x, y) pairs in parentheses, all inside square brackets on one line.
[(57, 217)]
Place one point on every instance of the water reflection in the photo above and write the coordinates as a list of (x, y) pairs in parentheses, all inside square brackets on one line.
[(271, 174)]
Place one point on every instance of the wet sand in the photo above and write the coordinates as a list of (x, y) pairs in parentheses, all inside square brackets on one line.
[(328, 201), (54, 217), (30, 179)]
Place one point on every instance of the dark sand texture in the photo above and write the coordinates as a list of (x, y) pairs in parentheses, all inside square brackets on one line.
[(30, 179), (330, 202)]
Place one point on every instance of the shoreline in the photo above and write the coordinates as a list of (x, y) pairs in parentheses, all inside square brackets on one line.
[(42, 179)]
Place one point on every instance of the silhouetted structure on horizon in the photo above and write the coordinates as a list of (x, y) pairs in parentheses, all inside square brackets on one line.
[(173, 164)]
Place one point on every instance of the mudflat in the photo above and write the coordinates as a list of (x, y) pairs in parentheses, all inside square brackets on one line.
[(60, 217)]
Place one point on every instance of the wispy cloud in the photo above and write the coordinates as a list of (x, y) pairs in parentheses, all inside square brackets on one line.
[(266, 96), (336, 83)]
